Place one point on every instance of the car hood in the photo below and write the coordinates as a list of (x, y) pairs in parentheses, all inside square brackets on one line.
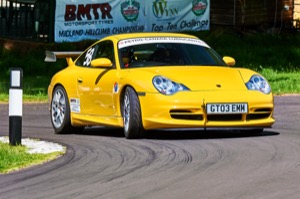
[(202, 77)]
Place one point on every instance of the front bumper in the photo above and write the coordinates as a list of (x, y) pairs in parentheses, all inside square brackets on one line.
[(188, 110)]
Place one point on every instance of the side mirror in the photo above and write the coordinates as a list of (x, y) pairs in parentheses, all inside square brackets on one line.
[(101, 63), (229, 61)]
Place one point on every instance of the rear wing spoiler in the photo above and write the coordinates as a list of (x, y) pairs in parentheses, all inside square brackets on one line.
[(53, 56)]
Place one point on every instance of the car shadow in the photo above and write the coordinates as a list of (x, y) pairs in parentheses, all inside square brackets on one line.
[(204, 134), (178, 134), (103, 131)]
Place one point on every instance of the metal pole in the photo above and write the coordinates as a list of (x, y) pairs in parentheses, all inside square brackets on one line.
[(15, 106)]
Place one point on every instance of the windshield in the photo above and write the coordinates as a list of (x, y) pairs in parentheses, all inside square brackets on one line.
[(161, 52)]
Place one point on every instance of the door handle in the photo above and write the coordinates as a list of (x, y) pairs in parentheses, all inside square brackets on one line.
[(79, 80)]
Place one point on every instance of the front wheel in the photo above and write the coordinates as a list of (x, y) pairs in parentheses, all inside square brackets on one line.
[(131, 112), (60, 112)]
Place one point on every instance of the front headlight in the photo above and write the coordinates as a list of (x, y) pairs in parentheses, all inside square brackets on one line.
[(259, 83), (166, 86)]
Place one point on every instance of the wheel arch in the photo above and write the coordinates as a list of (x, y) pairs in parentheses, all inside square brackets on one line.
[(50, 93), (67, 95), (121, 97), (64, 87), (132, 120)]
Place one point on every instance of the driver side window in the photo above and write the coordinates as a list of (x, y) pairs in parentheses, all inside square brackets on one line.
[(100, 50)]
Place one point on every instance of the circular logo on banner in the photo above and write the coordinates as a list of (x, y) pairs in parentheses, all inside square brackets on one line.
[(199, 7), (130, 10)]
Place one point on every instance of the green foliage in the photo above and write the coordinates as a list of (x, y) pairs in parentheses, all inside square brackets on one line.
[(256, 51)]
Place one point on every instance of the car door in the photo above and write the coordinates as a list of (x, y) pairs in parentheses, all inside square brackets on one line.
[(95, 85)]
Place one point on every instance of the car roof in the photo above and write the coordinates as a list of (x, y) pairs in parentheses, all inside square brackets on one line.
[(150, 34)]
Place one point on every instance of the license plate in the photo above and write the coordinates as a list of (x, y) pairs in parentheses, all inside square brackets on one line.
[(226, 108)]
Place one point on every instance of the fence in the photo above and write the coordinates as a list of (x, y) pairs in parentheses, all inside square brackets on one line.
[(26, 19)]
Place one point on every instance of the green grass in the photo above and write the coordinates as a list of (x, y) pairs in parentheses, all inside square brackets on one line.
[(283, 82), (13, 158), (34, 88), (42, 98)]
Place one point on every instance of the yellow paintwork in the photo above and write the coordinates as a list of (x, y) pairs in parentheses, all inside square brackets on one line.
[(101, 63), (100, 103), (229, 61)]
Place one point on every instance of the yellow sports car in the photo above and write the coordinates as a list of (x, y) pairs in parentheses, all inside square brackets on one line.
[(144, 81)]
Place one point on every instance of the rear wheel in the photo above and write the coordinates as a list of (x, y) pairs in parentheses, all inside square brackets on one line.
[(60, 112), (131, 112)]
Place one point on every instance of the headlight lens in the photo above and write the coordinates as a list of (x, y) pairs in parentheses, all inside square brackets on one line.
[(259, 83), (166, 86)]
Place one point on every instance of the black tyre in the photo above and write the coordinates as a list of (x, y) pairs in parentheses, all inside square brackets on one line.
[(131, 112), (60, 112)]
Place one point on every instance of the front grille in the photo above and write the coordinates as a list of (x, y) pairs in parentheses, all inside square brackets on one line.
[(262, 113), (185, 115)]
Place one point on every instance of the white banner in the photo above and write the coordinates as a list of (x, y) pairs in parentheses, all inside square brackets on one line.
[(77, 20)]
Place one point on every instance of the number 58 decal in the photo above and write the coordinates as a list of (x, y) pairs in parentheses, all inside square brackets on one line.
[(89, 57)]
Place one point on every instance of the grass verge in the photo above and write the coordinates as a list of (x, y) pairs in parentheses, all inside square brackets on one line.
[(42, 97), (283, 82), (13, 158)]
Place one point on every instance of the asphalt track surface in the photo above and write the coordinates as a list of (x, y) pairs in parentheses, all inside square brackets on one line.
[(101, 163)]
